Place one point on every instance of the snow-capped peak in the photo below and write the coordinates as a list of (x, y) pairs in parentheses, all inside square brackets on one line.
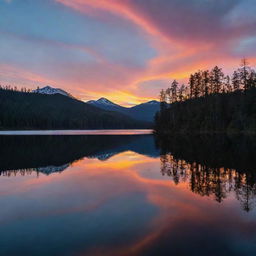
[(152, 102), (105, 101), (50, 90), (102, 101)]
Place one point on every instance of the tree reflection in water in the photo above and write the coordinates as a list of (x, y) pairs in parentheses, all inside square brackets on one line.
[(213, 166), (208, 166)]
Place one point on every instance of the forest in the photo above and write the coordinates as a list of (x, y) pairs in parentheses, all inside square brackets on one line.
[(212, 102), (25, 110)]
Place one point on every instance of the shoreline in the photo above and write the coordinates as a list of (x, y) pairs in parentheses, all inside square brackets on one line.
[(78, 132), (171, 133)]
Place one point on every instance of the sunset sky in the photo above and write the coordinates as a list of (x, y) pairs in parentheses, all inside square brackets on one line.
[(125, 50)]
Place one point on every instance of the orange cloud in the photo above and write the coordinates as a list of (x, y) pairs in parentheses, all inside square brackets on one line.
[(184, 40), (176, 58)]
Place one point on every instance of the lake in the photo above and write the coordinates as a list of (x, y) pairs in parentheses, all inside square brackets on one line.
[(127, 195), (79, 132)]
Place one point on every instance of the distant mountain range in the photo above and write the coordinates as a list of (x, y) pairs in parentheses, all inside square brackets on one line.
[(24, 110), (143, 112), (53, 108)]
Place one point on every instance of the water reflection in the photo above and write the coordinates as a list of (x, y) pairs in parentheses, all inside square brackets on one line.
[(207, 165), (127, 195), (213, 182), (49, 154)]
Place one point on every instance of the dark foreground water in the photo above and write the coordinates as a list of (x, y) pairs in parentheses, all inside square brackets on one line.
[(127, 195)]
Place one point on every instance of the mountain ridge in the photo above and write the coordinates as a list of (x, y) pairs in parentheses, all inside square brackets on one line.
[(24, 110), (143, 112), (51, 91), (106, 101)]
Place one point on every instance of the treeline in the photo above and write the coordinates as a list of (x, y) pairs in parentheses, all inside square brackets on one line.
[(15, 88), (211, 102), (22, 110), (205, 82)]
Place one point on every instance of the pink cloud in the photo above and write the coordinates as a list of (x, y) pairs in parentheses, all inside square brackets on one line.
[(186, 37)]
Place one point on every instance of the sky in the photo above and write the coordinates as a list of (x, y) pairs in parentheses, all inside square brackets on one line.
[(124, 50)]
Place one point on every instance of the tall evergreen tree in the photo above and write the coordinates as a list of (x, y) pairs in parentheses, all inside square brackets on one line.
[(227, 87), (206, 81), (244, 73), (252, 79), (192, 85), (198, 84), (217, 79), (174, 88), (181, 92), (236, 81)]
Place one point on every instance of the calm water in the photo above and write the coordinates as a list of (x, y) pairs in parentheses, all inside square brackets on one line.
[(127, 195), (79, 132)]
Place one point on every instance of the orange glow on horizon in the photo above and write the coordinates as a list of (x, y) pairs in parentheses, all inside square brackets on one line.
[(174, 55)]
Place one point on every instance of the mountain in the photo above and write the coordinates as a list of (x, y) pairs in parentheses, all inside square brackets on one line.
[(22, 110), (145, 111), (51, 91), (106, 104)]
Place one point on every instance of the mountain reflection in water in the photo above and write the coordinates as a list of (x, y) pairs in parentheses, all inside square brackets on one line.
[(48, 154), (127, 195)]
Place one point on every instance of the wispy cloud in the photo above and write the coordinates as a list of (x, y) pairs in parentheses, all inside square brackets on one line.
[(123, 49)]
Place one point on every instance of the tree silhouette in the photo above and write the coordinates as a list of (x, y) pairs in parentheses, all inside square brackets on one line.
[(225, 103), (217, 183), (236, 81)]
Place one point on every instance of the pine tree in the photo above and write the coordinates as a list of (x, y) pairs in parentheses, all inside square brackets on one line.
[(236, 81), (168, 95), (198, 82), (205, 82), (174, 87), (181, 92), (192, 85), (252, 79), (227, 86), (217, 79), (244, 73)]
